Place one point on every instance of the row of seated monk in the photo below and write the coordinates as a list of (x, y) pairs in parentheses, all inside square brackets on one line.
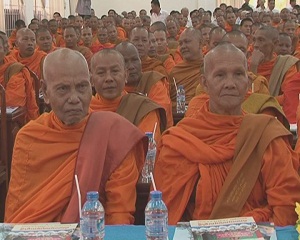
[(194, 159), (220, 161)]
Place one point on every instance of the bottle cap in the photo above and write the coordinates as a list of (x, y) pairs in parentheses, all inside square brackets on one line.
[(92, 195), (180, 86), (149, 134), (156, 194)]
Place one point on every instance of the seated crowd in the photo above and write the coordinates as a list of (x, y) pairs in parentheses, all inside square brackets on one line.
[(108, 80)]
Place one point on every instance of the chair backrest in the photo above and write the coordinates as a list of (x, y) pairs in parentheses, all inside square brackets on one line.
[(3, 131), (36, 84)]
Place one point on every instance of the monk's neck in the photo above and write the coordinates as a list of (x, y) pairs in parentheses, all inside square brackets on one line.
[(268, 58)]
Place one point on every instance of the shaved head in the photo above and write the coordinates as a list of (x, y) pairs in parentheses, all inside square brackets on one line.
[(126, 45), (105, 53), (271, 32), (238, 39), (65, 57), (23, 31), (224, 48)]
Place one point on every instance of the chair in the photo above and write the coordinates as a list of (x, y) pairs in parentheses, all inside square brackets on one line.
[(3, 154)]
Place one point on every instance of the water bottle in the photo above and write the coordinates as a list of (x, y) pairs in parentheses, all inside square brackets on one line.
[(150, 159), (156, 218), (180, 99), (92, 218)]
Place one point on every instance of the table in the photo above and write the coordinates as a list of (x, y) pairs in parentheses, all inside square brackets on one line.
[(132, 232)]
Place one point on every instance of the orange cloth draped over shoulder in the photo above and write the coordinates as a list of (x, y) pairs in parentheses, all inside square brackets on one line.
[(158, 92), (228, 28), (153, 64), (34, 62), (19, 90), (12, 39), (146, 124), (97, 46), (43, 168), (186, 74), (87, 53), (195, 157), (121, 33)]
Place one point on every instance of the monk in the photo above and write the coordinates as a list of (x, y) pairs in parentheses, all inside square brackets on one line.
[(113, 35), (278, 70), (202, 167), (26, 52), (167, 59), (215, 36), (109, 76), (57, 38), (140, 39), (44, 40), (187, 73), (16, 80), (66, 142), (72, 37), (13, 36), (284, 46), (230, 21), (152, 84)]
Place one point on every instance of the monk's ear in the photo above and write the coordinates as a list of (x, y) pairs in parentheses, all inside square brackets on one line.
[(203, 82), (44, 91)]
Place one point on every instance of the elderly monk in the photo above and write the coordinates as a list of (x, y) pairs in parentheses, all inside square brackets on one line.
[(26, 52), (223, 162), (72, 37), (187, 73), (280, 71), (109, 76), (16, 80), (44, 40), (140, 39), (66, 142), (152, 84)]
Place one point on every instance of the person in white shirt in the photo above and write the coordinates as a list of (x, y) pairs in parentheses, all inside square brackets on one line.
[(292, 5), (157, 14), (271, 7), (185, 13)]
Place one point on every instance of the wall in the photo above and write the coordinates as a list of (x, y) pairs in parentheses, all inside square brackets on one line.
[(102, 6)]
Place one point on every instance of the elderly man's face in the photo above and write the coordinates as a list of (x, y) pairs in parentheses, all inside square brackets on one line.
[(226, 82), (68, 90)]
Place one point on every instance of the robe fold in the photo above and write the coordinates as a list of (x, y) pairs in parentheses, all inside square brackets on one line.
[(195, 157), (19, 89), (153, 64), (188, 75), (45, 161)]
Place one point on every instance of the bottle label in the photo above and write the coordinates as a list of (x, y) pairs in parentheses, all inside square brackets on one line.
[(156, 225)]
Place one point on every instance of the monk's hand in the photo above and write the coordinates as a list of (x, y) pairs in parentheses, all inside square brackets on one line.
[(256, 59)]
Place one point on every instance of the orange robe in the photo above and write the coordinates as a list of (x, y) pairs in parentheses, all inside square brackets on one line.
[(228, 27), (58, 40), (19, 90), (265, 69), (43, 169), (188, 75), (196, 156), (97, 46), (147, 123), (122, 33), (158, 93), (169, 64), (12, 39), (153, 64), (34, 62)]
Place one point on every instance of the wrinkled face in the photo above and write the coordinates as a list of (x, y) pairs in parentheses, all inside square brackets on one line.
[(70, 37), (290, 29), (263, 42), (78, 21), (53, 27), (94, 23), (189, 46), (230, 18), (161, 40), (26, 43), (246, 28), (69, 94), (205, 34), (86, 36), (112, 33), (109, 76), (172, 29), (44, 41), (102, 35), (285, 14), (226, 82), (133, 65), (284, 46), (139, 38), (152, 46)]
